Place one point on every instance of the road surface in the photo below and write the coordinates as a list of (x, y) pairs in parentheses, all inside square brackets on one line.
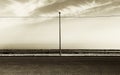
[(59, 65)]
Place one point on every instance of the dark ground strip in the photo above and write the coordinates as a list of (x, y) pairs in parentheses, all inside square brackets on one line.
[(56, 51), (59, 65)]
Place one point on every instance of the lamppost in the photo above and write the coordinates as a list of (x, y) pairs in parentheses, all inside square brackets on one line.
[(60, 43)]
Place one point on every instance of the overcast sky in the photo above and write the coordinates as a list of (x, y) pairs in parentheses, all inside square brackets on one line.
[(34, 24)]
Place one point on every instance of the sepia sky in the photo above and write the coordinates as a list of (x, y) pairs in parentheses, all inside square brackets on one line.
[(86, 24)]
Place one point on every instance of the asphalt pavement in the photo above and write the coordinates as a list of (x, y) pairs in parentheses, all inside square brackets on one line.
[(59, 65)]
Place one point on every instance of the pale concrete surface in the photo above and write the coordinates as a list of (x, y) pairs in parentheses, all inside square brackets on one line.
[(59, 66)]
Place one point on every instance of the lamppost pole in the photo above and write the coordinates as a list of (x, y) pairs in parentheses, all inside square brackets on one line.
[(60, 46)]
